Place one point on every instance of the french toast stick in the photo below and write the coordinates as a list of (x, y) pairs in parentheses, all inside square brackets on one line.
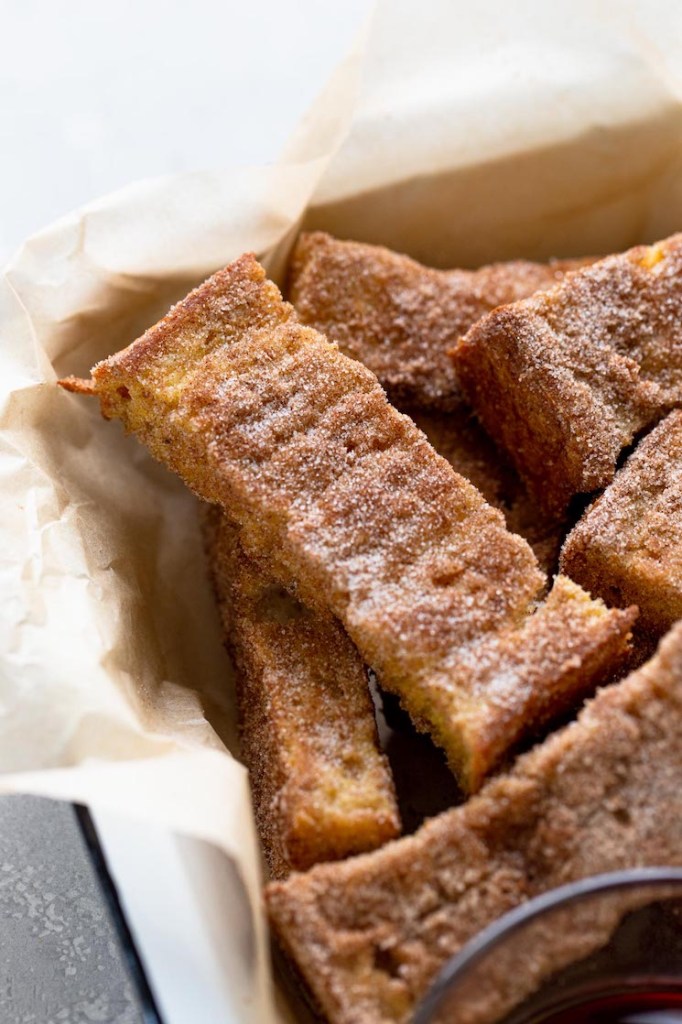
[(564, 380), (627, 547), (370, 934), (322, 789), (399, 317), (532, 674), (342, 494)]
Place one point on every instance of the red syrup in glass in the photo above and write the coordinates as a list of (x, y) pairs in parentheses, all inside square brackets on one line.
[(658, 1006)]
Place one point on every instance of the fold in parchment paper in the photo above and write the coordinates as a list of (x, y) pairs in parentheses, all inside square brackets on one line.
[(456, 133)]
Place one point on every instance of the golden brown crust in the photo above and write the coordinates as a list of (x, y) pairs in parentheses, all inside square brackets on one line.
[(603, 794), (322, 789), (459, 438), (534, 673), (565, 379), (346, 497), (628, 545), (400, 318), (78, 386)]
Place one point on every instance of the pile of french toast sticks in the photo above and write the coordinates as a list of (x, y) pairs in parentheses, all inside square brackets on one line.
[(471, 483)]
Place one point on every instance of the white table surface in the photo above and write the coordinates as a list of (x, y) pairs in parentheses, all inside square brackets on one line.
[(96, 95)]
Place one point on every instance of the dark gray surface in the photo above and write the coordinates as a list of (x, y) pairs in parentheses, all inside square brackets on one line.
[(60, 957)]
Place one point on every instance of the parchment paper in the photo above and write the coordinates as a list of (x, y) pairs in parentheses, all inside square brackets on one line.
[(456, 132)]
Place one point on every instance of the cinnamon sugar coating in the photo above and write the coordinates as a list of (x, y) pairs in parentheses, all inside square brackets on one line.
[(369, 935), (564, 380), (459, 438), (628, 545), (346, 497), (400, 318), (523, 678), (321, 788)]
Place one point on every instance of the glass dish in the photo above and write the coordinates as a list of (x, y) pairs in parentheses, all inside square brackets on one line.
[(604, 950)]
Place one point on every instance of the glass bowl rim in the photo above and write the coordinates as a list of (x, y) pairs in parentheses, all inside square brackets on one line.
[(502, 927)]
